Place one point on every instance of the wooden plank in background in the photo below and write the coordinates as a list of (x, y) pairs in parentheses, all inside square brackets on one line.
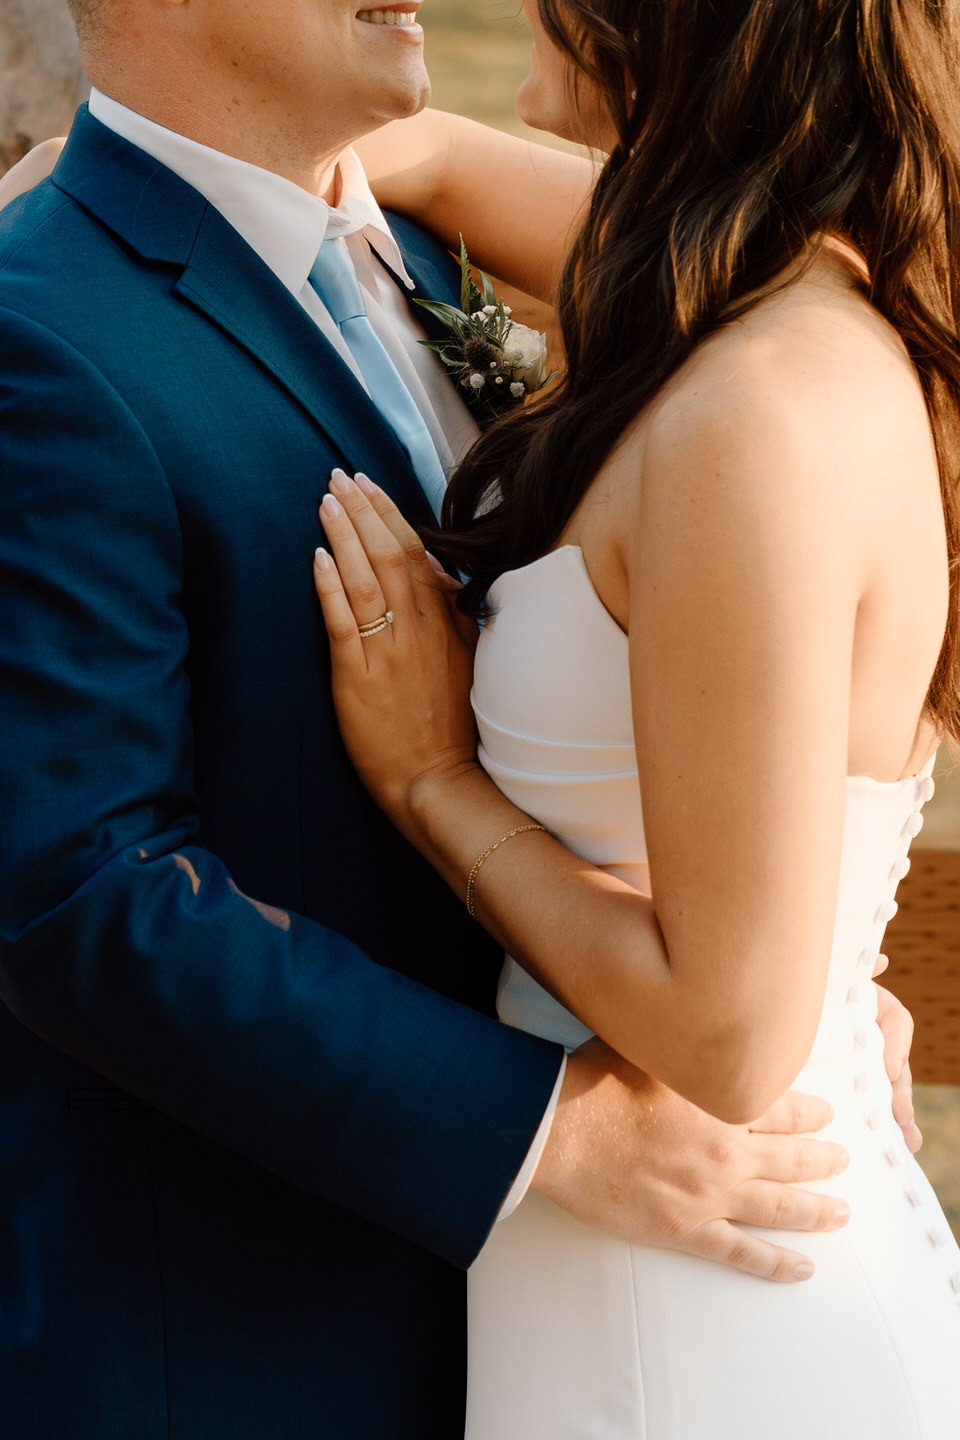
[(923, 943)]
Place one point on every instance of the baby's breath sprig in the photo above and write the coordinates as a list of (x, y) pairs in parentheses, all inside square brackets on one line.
[(497, 361)]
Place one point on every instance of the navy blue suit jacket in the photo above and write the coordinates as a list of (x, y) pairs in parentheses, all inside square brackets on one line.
[(254, 1108)]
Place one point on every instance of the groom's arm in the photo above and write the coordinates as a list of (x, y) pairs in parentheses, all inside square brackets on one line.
[(126, 945), (123, 942)]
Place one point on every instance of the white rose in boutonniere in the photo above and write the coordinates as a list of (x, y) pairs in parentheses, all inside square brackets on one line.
[(497, 361), (525, 351)]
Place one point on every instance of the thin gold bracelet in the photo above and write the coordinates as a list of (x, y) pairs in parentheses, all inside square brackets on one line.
[(484, 854)]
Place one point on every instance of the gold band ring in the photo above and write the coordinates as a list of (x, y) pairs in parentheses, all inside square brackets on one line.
[(375, 626)]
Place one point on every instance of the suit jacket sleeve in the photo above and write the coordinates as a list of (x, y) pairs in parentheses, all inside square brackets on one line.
[(124, 943)]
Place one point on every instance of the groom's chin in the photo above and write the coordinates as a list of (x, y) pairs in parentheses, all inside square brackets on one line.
[(425, 94), (415, 97)]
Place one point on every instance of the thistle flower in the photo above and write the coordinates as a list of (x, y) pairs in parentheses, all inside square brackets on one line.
[(479, 353), (488, 349)]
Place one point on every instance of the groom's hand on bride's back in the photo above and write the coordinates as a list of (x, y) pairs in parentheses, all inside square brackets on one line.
[(896, 1027), (629, 1156)]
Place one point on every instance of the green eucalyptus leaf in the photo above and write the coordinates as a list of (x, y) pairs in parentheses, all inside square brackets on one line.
[(448, 314), (463, 329), (448, 353), (466, 284)]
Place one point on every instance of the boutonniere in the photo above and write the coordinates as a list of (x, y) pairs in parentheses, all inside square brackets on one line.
[(497, 361)]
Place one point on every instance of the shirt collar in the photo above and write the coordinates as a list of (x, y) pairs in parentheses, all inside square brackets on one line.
[(359, 212), (283, 223)]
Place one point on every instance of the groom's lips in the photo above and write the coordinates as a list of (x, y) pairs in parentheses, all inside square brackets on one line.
[(402, 16)]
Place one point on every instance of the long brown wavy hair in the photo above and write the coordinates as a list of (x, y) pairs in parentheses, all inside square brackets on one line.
[(746, 131)]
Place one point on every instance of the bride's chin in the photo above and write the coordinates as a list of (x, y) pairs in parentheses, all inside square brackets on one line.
[(556, 119), (539, 117)]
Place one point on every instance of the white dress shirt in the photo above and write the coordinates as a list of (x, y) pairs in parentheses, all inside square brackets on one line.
[(286, 226)]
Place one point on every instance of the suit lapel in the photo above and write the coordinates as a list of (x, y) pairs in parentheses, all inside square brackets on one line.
[(165, 220), (433, 270), (229, 283)]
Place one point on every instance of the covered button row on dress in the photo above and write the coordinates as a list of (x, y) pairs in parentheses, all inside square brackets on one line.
[(913, 1194), (875, 1117), (900, 867), (935, 1232)]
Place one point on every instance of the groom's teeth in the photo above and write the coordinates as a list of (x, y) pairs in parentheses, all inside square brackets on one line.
[(387, 17)]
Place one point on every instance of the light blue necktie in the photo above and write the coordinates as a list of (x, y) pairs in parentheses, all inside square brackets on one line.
[(335, 281)]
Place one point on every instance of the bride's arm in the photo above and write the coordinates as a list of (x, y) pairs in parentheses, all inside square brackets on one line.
[(34, 167), (517, 204), (742, 617)]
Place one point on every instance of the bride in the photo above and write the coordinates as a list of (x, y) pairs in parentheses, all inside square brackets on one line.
[(720, 568)]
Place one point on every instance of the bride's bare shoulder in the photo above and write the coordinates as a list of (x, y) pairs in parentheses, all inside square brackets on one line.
[(811, 382)]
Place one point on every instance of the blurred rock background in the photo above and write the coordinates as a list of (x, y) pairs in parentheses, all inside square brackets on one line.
[(41, 79)]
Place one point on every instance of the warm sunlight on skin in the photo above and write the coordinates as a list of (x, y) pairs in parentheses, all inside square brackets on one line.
[(543, 98), (555, 98), (442, 169)]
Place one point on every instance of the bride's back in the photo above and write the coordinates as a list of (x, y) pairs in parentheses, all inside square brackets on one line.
[(817, 387)]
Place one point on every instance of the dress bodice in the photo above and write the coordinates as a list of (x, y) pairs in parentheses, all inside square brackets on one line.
[(577, 1333), (553, 707)]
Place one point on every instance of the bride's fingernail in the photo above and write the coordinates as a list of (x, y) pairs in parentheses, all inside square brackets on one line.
[(341, 482), (365, 484), (435, 563), (803, 1271), (330, 506), (841, 1215), (321, 559)]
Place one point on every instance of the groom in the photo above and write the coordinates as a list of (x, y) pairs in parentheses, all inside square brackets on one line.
[(255, 1115)]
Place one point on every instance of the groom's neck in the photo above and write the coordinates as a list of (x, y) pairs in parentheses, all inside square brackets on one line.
[(311, 166)]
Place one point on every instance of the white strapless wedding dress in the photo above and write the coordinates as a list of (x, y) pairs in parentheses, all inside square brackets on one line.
[(575, 1335)]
